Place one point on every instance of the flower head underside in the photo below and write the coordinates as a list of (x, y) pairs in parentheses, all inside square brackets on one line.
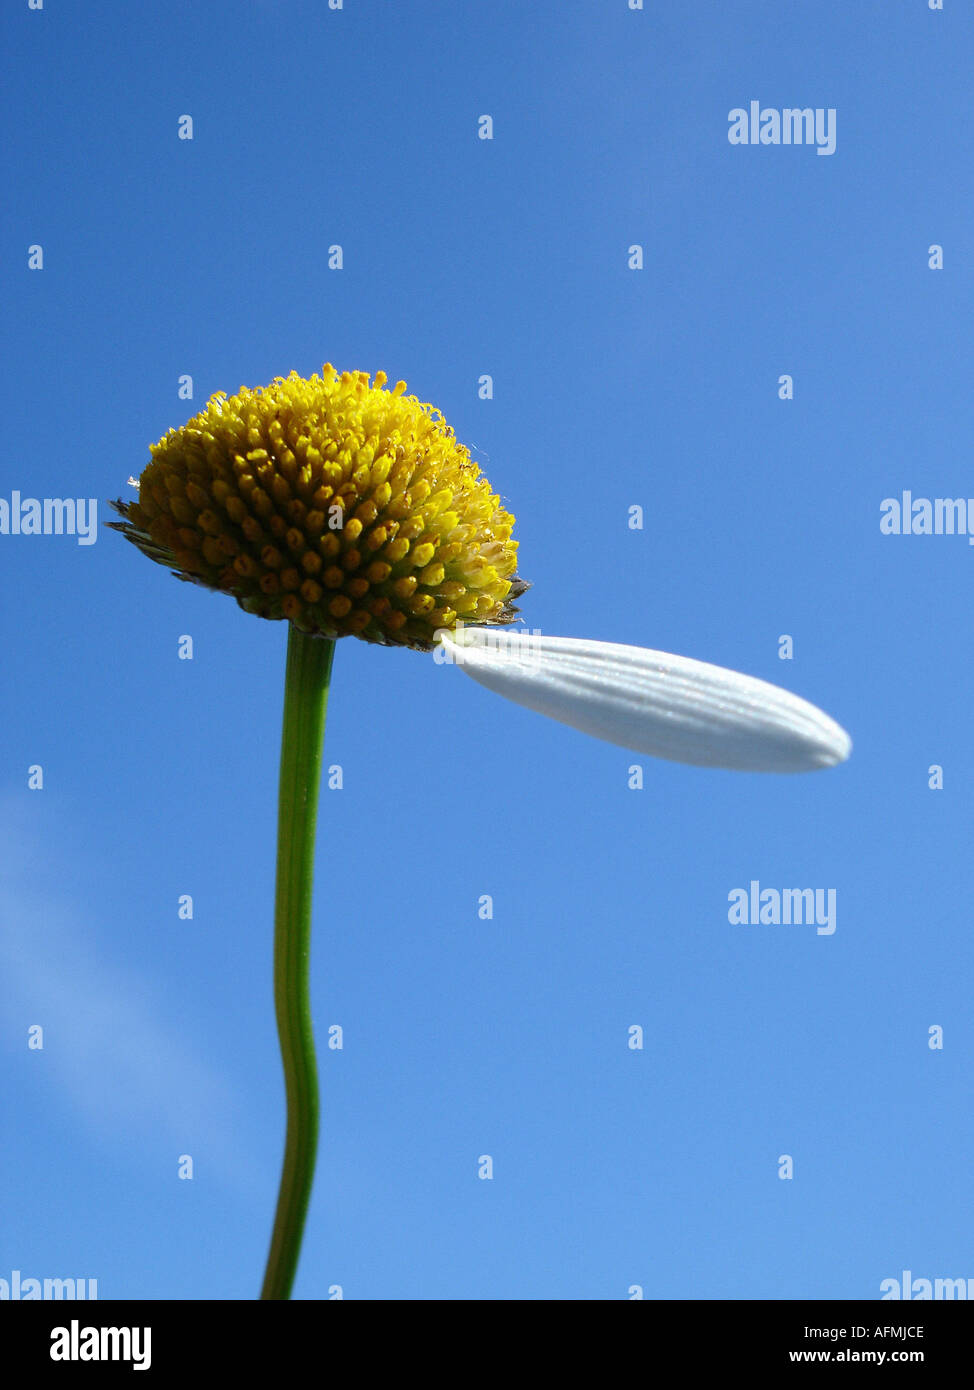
[(336, 503)]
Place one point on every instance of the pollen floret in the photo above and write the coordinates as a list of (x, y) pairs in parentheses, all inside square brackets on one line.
[(343, 506)]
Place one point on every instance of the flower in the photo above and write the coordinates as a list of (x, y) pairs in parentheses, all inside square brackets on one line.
[(352, 510), (347, 508), (668, 706)]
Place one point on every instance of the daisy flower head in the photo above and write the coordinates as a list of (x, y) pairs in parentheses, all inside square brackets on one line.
[(334, 502)]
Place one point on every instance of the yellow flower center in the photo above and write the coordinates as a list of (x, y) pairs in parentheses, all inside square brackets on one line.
[(345, 507)]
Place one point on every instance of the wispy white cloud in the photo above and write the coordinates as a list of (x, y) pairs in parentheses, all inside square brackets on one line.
[(125, 1070)]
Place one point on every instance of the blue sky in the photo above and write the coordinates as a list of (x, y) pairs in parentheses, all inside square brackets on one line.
[(612, 387)]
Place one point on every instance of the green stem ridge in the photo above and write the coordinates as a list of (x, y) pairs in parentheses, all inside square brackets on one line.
[(306, 685)]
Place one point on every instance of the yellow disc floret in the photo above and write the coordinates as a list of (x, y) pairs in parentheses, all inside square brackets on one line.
[(345, 507)]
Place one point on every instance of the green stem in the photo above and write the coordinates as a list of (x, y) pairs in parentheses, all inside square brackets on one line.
[(306, 684)]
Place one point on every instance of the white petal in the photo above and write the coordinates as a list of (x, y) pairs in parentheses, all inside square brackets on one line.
[(652, 702)]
